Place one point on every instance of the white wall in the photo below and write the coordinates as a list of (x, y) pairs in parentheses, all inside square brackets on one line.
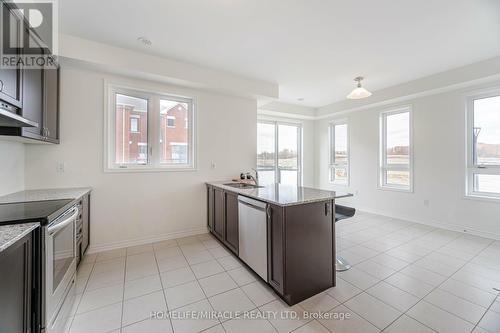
[(140, 207), (11, 167), (439, 166)]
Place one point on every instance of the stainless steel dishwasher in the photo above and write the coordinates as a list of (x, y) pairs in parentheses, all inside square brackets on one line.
[(252, 224)]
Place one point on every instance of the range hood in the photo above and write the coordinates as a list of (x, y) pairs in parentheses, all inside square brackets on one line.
[(9, 117)]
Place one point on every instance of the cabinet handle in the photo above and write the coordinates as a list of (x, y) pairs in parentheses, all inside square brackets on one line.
[(1, 85), (268, 211), (327, 209)]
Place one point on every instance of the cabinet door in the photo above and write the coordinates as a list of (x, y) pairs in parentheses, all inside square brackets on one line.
[(51, 104), (311, 226), (219, 213), (85, 223), (11, 79), (231, 237), (210, 208), (16, 287), (275, 246), (33, 101)]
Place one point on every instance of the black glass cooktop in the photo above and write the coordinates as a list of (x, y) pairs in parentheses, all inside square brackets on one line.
[(33, 211)]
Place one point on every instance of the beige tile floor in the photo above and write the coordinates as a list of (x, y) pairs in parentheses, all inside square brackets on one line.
[(405, 278)]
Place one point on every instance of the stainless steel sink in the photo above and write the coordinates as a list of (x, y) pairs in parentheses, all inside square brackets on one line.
[(242, 185)]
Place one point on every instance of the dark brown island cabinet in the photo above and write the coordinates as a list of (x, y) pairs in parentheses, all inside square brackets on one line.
[(18, 284), (34, 94), (300, 242), (83, 228)]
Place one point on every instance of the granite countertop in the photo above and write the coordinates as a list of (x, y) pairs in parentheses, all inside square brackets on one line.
[(283, 195), (9, 234), (45, 194)]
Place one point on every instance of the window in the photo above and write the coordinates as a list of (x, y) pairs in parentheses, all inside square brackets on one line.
[(134, 124), (339, 153), (141, 134), (171, 121), (483, 134), (396, 158), (278, 153)]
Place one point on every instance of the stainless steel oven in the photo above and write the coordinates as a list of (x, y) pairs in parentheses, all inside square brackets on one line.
[(60, 269)]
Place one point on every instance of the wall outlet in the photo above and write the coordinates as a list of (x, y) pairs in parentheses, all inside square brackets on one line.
[(61, 167), (426, 203), (213, 165)]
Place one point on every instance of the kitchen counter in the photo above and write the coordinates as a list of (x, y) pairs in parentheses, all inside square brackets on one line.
[(283, 195), (9, 234), (45, 194)]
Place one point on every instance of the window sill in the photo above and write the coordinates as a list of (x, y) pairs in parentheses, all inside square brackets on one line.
[(150, 170), (395, 189), (483, 198)]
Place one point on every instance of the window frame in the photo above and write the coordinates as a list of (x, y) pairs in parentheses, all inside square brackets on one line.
[(153, 128), (137, 122), (277, 169), (472, 168), (383, 166), (170, 118), (332, 163)]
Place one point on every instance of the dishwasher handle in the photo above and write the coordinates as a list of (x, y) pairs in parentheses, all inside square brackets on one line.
[(252, 203)]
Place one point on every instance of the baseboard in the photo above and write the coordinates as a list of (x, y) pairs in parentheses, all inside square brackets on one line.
[(437, 224), (146, 240)]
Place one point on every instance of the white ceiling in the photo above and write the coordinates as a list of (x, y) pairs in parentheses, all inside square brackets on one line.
[(311, 48)]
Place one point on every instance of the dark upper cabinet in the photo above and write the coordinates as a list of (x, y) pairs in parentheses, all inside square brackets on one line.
[(218, 229), (33, 102), (231, 236), (11, 79), (51, 104), (16, 284), (36, 92), (11, 86)]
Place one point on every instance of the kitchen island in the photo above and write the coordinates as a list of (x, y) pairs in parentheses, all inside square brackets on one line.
[(288, 229)]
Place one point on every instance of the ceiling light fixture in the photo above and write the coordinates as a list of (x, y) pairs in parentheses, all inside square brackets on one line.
[(145, 41), (359, 92)]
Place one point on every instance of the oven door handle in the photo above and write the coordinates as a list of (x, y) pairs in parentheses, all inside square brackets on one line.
[(53, 228)]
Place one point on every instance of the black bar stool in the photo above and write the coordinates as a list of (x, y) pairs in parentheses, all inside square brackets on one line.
[(342, 213)]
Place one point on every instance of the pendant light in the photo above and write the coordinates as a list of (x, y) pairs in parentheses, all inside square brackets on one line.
[(359, 92)]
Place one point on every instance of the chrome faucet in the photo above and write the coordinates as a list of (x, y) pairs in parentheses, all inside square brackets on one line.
[(256, 178)]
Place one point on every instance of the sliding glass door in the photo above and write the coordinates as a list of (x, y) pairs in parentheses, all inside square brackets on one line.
[(279, 153)]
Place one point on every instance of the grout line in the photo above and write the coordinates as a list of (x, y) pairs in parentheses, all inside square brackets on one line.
[(421, 298), (162, 288), (199, 285), (487, 310)]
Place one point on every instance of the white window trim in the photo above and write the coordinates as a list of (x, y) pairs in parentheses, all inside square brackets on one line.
[(276, 169), (382, 165), (153, 97), (472, 167), (331, 141)]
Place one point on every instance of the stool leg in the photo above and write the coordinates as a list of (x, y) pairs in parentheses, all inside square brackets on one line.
[(341, 264)]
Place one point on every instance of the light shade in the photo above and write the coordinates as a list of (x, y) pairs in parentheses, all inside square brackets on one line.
[(359, 93)]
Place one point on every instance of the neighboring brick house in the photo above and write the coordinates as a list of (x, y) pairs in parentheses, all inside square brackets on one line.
[(131, 135)]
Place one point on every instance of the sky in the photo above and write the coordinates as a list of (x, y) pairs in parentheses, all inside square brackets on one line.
[(487, 116)]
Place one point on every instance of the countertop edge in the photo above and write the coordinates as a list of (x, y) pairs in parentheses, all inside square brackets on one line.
[(45, 194), (242, 192), (18, 231)]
